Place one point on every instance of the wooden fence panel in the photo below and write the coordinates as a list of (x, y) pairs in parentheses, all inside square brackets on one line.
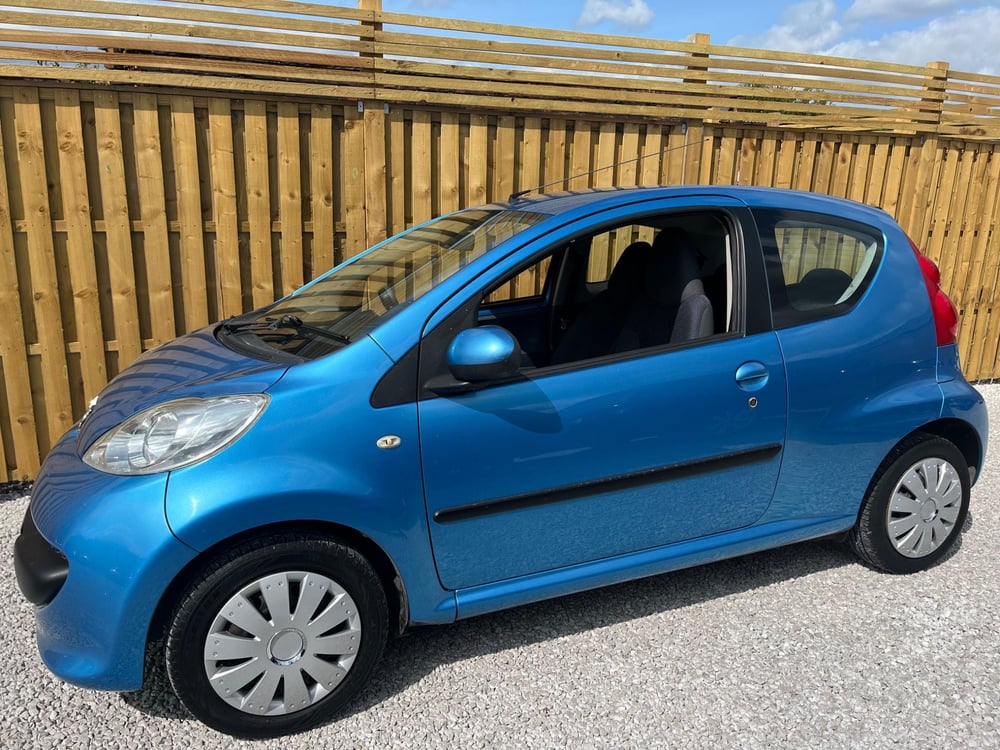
[(117, 228), (554, 171), (184, 178), (290, 197), (258, 196), (448, 167), (505, 181), (972, 296), (155, 255), (651, 158), (192, 236), (54, 408), (321, 170), (224, 257), (396, 172), (80, 243), (18, 426)]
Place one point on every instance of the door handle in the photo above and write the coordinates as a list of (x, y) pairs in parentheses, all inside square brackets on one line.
[(752, 376)]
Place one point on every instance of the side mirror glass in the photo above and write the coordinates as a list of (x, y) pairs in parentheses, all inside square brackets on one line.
[(485, 353)]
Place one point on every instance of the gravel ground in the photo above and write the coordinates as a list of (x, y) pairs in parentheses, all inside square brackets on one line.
[(799, 647)]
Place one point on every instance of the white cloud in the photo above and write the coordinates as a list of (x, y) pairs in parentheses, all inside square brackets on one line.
[(895, 10), (966, 39), (632, 13), (804, 27)]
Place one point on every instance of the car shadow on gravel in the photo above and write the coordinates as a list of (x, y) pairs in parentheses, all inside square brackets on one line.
[(424, 649), (14, 490)]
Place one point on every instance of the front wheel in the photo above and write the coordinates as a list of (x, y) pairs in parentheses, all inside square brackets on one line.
[(915, 510), (276, 635)]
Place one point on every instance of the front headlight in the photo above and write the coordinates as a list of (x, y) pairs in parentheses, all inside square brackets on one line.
[(174, 434)]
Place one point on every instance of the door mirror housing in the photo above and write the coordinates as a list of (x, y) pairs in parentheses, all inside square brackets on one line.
[(486, 353)]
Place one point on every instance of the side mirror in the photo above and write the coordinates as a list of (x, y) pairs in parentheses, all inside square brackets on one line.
[(486, 353)]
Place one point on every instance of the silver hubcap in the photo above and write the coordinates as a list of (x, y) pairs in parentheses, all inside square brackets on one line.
[(924, 507), (282, 643)]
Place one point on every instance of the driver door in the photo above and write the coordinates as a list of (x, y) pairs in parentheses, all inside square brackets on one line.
[(587, 460)]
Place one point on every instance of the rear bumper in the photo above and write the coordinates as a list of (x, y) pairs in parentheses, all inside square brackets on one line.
[(961, 401)]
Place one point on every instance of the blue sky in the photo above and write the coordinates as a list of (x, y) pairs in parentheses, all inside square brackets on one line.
[(966, 33)]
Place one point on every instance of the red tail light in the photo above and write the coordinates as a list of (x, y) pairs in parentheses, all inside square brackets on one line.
[(943, 309)]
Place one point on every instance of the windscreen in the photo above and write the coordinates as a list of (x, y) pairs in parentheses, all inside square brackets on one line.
[(353, 299)]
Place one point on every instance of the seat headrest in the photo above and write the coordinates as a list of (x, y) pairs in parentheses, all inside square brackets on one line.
[(670, 238), (673, 275), (823, 285), (628, 273)]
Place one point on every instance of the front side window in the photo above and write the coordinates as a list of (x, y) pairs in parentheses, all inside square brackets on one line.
[(528, 284), (817, 266), (667, 279), (350, 301)]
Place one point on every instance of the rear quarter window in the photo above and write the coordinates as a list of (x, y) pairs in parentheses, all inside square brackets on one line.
[(817, 266)]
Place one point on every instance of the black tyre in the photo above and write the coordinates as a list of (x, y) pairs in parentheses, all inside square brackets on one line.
[(915, 508), (276, 635)]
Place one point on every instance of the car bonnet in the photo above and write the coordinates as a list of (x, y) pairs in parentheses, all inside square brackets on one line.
[(194, 365)]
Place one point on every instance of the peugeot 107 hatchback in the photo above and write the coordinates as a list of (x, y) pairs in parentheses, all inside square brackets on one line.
[(501, 405)]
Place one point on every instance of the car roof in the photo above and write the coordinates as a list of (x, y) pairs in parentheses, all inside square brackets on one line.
[(603, 198)]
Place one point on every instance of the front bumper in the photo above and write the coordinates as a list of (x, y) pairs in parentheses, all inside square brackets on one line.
[(93, 610)]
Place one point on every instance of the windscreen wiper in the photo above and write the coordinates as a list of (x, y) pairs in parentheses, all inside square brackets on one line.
[(274, 325)]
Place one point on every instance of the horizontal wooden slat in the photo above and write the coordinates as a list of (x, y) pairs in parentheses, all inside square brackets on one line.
[(172, 49), (593, 39), (236, 67), (586, 73), (526, 54), (99, 226), (290, 6), (576, 92), (75, 347), (180, 29), (215, 83), (188, 14)]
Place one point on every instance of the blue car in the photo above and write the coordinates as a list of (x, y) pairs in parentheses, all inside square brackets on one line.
[(504, 404)]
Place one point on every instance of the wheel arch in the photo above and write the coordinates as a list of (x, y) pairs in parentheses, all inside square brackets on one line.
[(385, 569), (870, 537), (962, 435)]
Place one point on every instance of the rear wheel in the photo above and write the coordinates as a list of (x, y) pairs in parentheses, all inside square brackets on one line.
[(276, 636), (915, 510)]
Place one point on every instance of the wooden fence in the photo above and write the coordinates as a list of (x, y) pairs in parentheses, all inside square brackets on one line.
[(222, 153)]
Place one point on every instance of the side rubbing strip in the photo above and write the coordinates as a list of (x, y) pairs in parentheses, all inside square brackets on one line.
[(610, 484)]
